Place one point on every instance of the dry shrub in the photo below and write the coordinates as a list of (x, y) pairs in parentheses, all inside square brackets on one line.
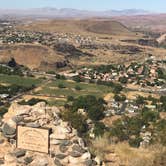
[(101, 146)]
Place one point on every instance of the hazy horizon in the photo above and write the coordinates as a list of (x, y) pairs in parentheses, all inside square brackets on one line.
[(93, 5)]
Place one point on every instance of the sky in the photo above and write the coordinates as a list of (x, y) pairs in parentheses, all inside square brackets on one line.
[(150, 5)]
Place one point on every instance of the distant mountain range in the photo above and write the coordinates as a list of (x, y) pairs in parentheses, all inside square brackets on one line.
[(67, 13)]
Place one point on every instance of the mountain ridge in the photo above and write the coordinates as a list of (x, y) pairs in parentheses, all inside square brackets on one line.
[(68, 13)]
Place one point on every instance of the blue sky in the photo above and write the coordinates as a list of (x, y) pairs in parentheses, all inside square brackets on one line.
[(151, 5)]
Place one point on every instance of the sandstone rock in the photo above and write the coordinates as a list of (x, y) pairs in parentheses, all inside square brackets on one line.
[(41, 105), (20, 109), (81, 143), (55, 110), (11, 123), (55, 141), (60, 133), (10, 158), (21, 161), (86, 156), (74, 161), (39, 161), (97, 160), (39, 109)]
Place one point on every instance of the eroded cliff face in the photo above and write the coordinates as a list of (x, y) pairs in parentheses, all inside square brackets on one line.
[(66, 147)]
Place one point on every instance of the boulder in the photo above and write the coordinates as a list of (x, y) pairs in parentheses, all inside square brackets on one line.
[(8, 131), (86, 156), (60, 156), (2, 162), (66, 143), (28, 160), (33, 125), (57, 162), (21, 109), (88, 162), (63, 148), (19, 153), (75, 154), (78, 148), (60, 133), (17, 119)]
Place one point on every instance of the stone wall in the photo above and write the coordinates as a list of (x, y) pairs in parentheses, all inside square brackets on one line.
[(66, 147)]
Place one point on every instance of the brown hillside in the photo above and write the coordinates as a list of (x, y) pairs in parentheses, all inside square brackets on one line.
[(108, 27), (33, 56), (79, 26)]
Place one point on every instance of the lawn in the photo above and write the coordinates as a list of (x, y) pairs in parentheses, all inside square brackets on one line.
[(17, 80), (69, 90)]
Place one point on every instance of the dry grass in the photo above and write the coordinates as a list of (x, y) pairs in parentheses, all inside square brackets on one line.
[(30, 55), (132, 95), (123, 154)]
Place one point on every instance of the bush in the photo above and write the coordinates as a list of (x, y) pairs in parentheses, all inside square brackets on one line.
[(93, 106), (135, 142), (77, 88), (61, 77), (61, 86), (78, 79), (140, 100), (161, 130), (149, 116), (76, 120), (32, 101), (123, 80), (95, 112), (119, 98), (3, 110), (117, 88), (70, 98), (12, 63), (99, 129), (50, 72)]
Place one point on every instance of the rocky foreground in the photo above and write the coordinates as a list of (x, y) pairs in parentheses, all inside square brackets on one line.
[(66, 147)]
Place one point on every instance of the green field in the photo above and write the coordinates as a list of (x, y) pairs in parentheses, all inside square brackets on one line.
[(69, 90), (17, 80)]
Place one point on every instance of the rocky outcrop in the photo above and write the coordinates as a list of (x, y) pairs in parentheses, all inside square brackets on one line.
[(66, 147)]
